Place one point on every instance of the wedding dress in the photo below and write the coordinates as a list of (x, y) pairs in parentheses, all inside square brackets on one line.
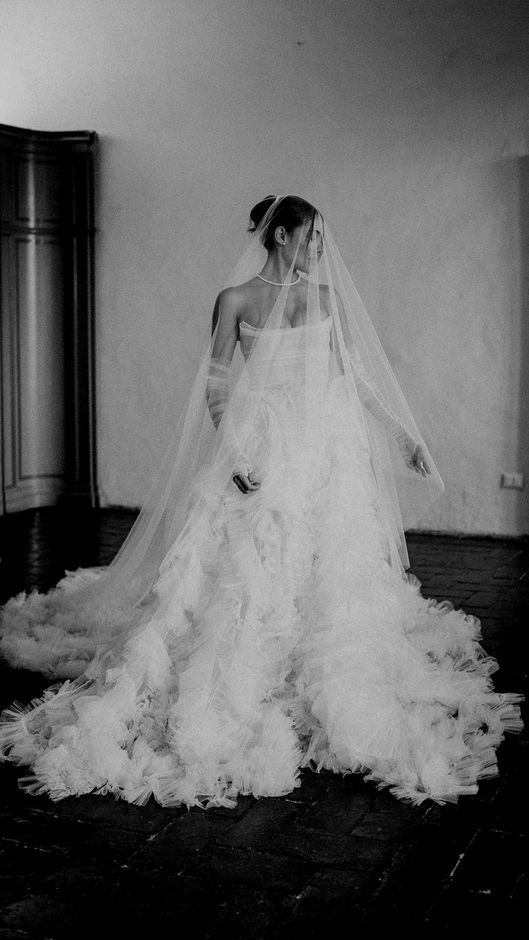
[(279, 629)]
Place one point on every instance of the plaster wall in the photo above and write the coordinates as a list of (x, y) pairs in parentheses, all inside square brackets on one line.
[(405, 121)]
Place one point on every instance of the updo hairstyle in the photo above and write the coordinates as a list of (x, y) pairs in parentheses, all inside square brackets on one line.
[(291, 212)]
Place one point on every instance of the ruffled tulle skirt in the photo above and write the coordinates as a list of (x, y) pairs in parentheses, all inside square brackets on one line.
[(277, 636)]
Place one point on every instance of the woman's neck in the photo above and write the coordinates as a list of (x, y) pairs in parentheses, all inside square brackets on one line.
[(278, 270)]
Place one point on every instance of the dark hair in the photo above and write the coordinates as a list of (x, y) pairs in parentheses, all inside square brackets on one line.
[(291, 212)]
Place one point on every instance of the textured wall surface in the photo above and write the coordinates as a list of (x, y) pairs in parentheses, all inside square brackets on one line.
[(405, 121)]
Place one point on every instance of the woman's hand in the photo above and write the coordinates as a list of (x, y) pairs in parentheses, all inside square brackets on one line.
[(413, 455), (417, 461), (245, 482)]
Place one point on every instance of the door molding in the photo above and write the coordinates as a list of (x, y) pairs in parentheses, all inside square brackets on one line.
[(47, 353)]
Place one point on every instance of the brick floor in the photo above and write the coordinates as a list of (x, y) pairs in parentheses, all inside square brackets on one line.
[(335, 855)]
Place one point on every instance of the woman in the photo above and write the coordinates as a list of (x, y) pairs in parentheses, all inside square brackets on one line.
[(259, 618)]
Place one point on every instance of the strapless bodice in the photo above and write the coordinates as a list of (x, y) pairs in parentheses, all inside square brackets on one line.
[(283, 352)]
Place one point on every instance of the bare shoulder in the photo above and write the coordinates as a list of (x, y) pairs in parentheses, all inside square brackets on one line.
[(233, 300), (229, 300), (229, 305)]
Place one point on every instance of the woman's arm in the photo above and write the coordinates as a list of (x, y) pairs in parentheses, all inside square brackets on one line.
[(225, 328), (371, 398), (411, 451)]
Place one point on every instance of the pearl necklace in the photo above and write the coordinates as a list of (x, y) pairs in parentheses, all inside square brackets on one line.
[(278, 283)]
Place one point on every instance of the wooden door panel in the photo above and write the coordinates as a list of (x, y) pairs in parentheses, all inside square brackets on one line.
[(8, 390), (47, 317), (38, 191), (40, 357)]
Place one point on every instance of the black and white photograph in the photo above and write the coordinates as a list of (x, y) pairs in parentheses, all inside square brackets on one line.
[(264, 458)]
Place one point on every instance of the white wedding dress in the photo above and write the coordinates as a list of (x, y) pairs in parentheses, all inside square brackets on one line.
[(277, 636)]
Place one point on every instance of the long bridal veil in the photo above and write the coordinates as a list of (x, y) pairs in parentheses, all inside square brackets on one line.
[(216, 436)]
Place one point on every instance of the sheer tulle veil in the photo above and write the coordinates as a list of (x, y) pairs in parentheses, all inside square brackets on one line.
[(215, 435), (245, 632)]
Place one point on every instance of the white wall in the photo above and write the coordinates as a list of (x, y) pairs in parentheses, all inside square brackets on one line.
[(405, 121)]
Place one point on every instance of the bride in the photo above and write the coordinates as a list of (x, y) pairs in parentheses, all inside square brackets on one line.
[(259, 617)]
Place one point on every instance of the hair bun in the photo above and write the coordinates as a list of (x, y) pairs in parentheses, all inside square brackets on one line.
[(259, 211), (288, 211)]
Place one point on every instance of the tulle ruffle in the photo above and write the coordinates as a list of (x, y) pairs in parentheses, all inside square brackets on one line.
[(277, 636)]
